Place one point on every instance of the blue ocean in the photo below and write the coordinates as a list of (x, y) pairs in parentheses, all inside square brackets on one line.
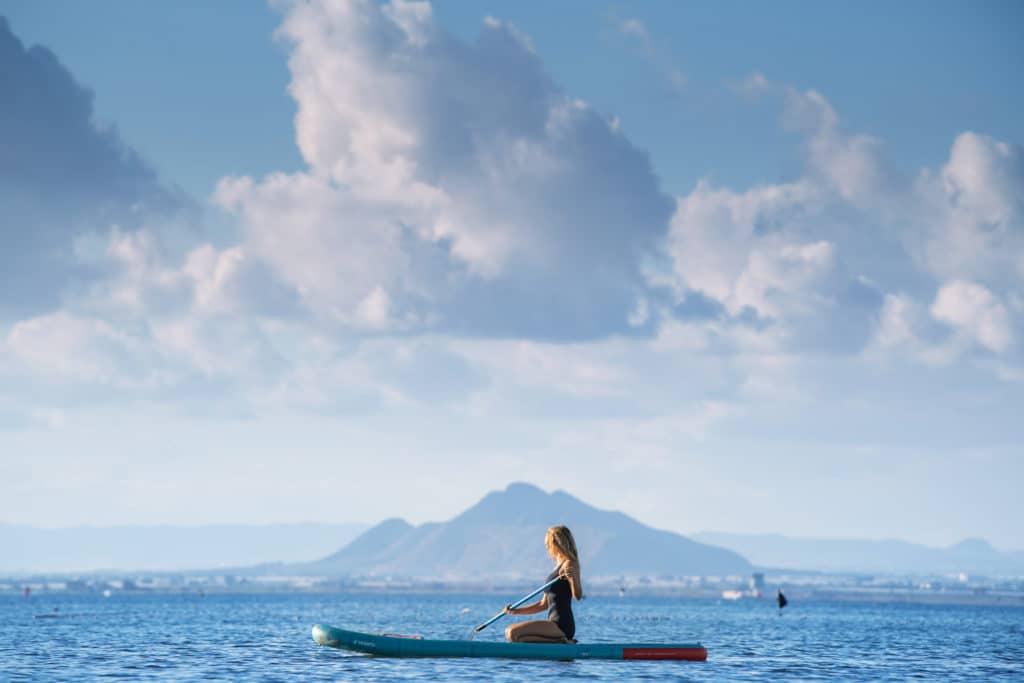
[(235, 637)]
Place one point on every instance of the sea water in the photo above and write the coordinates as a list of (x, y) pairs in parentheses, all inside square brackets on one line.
[(190, 637)]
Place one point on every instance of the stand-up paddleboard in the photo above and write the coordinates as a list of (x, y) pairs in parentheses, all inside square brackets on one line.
[(388, 645)]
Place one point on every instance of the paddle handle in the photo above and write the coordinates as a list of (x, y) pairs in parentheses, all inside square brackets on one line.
[(529, 597)]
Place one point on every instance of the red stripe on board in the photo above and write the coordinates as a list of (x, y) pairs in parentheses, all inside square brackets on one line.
[(693, 654)]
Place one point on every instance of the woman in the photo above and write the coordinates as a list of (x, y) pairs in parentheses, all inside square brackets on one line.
[(559, 627)]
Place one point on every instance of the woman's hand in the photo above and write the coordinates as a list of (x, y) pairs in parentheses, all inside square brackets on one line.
[(508, 609)]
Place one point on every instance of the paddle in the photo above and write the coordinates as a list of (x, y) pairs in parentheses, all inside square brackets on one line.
[(532, 595)]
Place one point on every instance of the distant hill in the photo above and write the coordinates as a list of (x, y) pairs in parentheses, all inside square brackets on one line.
[(503, 536), (972, 556), (25, 549)]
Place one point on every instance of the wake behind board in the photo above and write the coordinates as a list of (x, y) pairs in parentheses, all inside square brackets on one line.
[(386, 645)]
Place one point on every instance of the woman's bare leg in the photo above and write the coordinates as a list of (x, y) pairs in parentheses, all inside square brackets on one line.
[(537, 631)]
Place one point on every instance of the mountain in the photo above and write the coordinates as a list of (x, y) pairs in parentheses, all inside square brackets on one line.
[(503, 536), (971, 556), (25, 549)]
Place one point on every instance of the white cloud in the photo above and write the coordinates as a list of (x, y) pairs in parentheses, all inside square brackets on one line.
[(332, 250), (852, 165), (850, 254), (896, 322), (448, 176), (63, 345), (973, 213), (750, 250), (375, 309), (905, 330), (974, 311), (455, 189), (964, 317), (780, 280), (231, 281), (232, 348), (636, 30), (139, 278), (808, 255)]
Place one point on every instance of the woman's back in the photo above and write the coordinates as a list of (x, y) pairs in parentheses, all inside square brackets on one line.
[(559, 597)]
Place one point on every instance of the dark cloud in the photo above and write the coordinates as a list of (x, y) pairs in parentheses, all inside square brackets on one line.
[(60, 174)]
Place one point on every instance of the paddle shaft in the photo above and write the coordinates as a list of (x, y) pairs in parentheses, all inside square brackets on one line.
[(529, 597)]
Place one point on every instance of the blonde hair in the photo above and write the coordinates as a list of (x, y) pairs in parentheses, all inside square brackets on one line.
[(560, 538)]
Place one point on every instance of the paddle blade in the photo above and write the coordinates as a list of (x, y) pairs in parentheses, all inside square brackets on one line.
[(490, 621)]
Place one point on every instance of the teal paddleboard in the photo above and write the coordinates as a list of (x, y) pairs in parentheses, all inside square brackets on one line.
[(390, 645)]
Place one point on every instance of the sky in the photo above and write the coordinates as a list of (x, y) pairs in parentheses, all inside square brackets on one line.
[(721, 266)]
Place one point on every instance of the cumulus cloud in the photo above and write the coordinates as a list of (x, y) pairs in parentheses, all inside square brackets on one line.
[(455, 179), (852, 165), (734, 247), (965, 319), (333, 250), (61, 173), (850, 254), (450, 186), (974, 311), (975, 211), (907, 331), (140, 278), (790, 265), (773, 266), (454, 193)]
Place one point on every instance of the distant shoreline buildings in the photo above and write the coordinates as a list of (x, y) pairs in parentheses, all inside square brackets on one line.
[(802, 587)]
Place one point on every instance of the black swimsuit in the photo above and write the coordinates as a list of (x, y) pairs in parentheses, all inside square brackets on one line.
[(559, 595)]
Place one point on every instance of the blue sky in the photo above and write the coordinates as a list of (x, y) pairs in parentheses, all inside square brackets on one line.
[(721, 266)]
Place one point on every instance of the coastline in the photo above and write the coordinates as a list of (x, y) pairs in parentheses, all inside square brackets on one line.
[(797, 594)]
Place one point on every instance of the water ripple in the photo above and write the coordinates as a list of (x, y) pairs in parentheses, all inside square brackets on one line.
[(266, 638)]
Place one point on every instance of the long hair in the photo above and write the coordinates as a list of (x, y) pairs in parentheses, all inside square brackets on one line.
[(560, 538)]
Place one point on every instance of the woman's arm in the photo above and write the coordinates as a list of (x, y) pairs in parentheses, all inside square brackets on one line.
[(538, 606), (571, 571)]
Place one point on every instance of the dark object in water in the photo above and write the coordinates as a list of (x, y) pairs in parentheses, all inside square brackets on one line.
[(781, 599)]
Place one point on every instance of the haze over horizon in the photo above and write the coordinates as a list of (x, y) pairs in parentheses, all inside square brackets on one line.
[(366, 524), (750, 269), (496, 537)]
